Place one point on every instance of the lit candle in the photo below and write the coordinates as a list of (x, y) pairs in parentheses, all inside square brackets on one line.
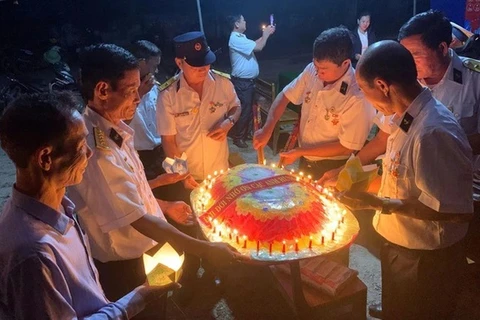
[(229, 233), (221, 171), (258, 246), (283, 247), (273, 165), (296, 245), (215, 173), (215, 222), (343, 219), (236, 236), (270, 248), (245, 242), (264, 162), (333, 236), (310, 243)]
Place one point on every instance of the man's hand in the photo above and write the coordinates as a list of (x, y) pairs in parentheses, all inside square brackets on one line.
[(222, 254), (190, 183), (360, 200), (166, 179), (146, 85), (260, 138), (329, 178), (289, 157), (268, 31), (219, 132), (151, 293), (180, 212)]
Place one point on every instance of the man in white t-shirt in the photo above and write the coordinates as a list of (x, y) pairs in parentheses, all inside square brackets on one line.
[(244, 72)]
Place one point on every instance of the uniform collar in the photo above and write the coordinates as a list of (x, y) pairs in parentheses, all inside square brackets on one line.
[(44, 213), (238, 34), (183, 85), (413, 110), (454, 71), (342, 85), (106, 126)]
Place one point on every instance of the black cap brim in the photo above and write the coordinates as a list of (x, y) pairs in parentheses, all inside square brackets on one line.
[(209, 58)]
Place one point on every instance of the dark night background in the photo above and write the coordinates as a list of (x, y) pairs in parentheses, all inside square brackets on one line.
[(76, 23)]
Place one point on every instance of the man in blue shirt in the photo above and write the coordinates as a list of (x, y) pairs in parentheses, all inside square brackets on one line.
[(46, 270), (244, 72)]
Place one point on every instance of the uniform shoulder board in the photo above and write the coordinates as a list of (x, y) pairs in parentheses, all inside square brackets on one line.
[(472, 64), (223, 74), (100, 139), (168, 83)]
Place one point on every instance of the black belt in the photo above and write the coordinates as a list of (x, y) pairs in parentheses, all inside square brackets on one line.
[(243, 79)]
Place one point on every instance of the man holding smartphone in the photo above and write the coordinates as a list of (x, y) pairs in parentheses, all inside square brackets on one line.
[(244, 71)]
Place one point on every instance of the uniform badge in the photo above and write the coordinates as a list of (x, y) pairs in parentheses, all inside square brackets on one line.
[(181, 114), (472, 64), (406, 122), (394, 164), (116, 137), (343, 88), (198, 46), (457, 76), (329, 113), (214, 106), (307, 97), (100, 140)]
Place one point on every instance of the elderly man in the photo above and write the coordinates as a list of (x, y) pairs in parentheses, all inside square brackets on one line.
[(115, 203), (46, 270), (335, 118), (425, 201)]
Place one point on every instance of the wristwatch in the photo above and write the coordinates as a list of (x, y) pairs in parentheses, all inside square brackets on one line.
[(386, 208), (231, 119)]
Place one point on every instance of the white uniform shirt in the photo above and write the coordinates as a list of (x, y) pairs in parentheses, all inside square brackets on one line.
[(363, 40), (113, 193), (336, 112), (429, 160), (180, 112), (459, 91), (244, 62), (144, 123)]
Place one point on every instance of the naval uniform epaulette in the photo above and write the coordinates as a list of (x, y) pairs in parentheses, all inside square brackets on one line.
[(220, 73), (472, 64), (168, 83), (100, 139)]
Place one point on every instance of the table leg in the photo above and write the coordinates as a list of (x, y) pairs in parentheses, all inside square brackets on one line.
[(301, 305)]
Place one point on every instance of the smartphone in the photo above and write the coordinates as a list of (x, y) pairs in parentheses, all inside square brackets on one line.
[(272, 21)]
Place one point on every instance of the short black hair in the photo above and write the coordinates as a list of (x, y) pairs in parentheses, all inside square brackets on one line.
[(143, 49), (334, 45), (389, 61), (36, 120), (433, 27), (103, 62), (232, 19), (363, 14)]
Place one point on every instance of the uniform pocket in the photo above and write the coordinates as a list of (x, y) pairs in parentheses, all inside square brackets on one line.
[(468, 118)]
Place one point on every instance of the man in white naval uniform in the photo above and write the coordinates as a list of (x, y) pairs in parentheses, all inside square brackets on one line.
[(335, 118)]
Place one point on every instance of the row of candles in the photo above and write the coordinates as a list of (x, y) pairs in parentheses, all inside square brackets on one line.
[(333, 230)]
